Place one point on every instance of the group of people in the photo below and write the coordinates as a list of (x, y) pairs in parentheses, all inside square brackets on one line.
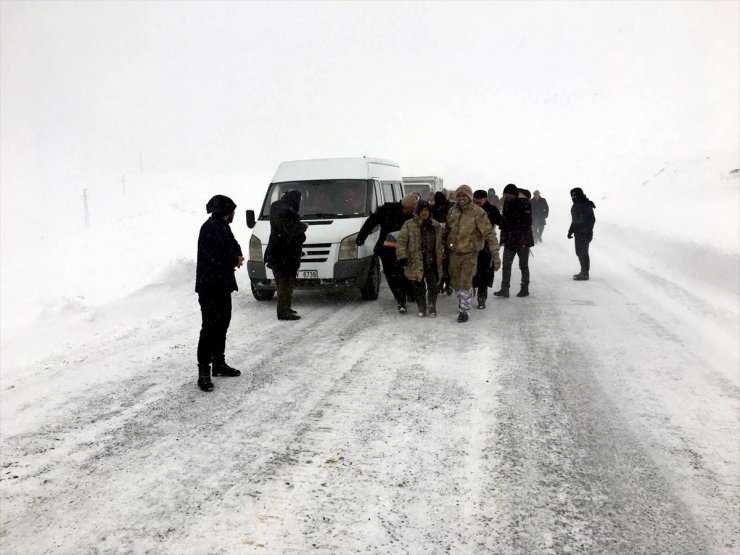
[(446, 245)]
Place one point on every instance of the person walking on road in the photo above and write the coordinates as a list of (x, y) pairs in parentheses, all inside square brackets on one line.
[(284, 249), (516, 237), (483, 278), (219, 254), (420, 252), (540, 212), (466, 231), (582, 227), (390, 217)]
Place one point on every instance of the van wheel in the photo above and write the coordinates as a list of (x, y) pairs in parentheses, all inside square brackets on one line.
[(262, 294), (371, 289)]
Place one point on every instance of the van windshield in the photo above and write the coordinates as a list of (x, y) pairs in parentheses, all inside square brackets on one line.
[(326, 198)]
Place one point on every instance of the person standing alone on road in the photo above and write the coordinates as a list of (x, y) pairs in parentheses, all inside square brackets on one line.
[(390, 217), (219, 255), (540, 212), (466, 230), (516, 237), (582, 226), (284, 248)]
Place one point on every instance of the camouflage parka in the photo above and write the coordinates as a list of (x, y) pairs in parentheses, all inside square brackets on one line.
[(409, 247)]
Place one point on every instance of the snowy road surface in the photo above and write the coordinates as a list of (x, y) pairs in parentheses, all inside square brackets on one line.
[(597, 417)]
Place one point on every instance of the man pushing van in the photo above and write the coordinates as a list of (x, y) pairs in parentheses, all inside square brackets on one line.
[(390, 217)]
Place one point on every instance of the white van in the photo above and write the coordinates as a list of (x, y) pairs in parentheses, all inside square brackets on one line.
[(337, 196)]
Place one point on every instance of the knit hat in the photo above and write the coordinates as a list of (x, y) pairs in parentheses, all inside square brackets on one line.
[(526, 193), (294, 199), (440, 198), (511, 189), (220, 206), (465, 190), (421, 205), (409, 200), (480, 193)]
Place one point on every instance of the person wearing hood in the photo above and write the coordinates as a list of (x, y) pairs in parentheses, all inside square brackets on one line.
[(466, 231), (219, 254), (582, 227), (516, 237), (420, 253), (284, 249), (390, 217)]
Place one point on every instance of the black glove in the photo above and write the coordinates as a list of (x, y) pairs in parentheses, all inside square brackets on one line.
[(359, 242), (403, 262), (570, 235)]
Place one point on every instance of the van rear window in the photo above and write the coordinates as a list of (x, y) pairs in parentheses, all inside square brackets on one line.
[(330, 198)]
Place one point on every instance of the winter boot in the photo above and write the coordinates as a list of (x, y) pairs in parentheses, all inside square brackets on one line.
[(481, 303), (402, 308), (223, 369), (524, 291), (581, 277), (432, 311), (204, 377), (503, 292), (289, 316), (462, 317)]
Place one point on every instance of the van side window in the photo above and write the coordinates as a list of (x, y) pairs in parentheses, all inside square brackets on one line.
[(399, 190), (374, 196), (388, 191)]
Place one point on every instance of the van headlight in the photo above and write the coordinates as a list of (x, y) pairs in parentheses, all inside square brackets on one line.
[(255, 249), (348, 248)]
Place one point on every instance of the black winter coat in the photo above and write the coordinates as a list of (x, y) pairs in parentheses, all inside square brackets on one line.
[(218, 256), (516, 229), (287, 234), (439, 210), (493, 214), (390, 217), (582, 216), (540, 209)]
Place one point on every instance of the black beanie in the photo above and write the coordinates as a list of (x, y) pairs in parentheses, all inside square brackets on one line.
[(439, 198), (511, 189), (220, 206), (421, 205), (480, 193)]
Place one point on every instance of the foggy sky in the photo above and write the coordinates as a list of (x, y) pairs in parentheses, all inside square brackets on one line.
[(479, 93)]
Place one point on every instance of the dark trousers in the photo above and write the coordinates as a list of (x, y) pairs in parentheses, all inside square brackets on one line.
[(509, 254), (426, 289), (397, 282), (215, 309), (484, 274), (537, 229), (582, 242), (285, 285)]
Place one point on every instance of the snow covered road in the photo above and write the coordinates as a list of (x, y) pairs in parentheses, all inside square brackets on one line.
[(597, 417)]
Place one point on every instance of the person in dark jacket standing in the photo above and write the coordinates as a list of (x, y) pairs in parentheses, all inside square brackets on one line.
[(439, 213), (540, 212), (484, 276), (582, 226), (516, 236), (390, 217), (284, 248), (219, 255)]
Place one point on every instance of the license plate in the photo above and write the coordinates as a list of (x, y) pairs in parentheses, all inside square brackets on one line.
[(308, 274)]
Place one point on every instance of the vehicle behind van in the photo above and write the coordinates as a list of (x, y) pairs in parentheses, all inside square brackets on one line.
[(423, 185), (337, 196)]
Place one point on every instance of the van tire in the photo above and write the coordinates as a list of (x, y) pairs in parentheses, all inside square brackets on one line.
[(371, 289), (262, 294)]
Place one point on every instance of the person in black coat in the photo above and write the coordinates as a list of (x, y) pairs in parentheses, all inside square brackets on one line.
[(219, 254), (516, 236), (582, 226), (390, 217), (439, 212), (483, 278), (284, 249), (540, 212)]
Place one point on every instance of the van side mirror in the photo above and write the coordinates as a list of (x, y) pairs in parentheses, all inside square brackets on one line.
[(250, 219)]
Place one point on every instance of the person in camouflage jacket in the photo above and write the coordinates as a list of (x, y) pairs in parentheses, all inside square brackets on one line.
[(466, 231), (420, 252)]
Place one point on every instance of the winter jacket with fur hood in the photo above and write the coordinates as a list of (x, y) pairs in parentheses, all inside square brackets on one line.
[(468, 227), (409, 247)]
